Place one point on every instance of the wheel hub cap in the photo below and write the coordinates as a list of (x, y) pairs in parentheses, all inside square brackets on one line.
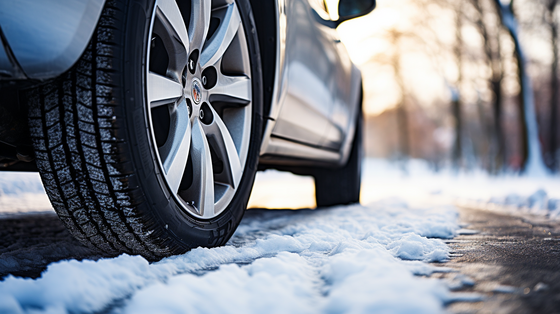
[(196, 90)]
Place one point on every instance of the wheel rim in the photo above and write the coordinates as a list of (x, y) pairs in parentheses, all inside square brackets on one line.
[(199, 101)]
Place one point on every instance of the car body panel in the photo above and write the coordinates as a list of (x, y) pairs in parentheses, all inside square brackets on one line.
[(304, 115), (316, 92), (49, 45)]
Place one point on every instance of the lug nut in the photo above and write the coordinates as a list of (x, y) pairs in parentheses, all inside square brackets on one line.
[(205, 114), (189, 107), (193, 59), (209, 77)]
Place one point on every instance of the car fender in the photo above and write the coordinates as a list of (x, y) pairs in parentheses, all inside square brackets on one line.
[(44, 38)]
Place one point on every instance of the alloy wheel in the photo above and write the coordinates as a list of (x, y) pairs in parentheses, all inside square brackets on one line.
[(198, 87)]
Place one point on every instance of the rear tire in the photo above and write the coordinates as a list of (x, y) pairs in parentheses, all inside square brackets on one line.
[(341, 186), (101, 155)]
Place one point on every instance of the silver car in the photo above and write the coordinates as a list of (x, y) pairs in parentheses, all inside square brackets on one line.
[(148, 119)]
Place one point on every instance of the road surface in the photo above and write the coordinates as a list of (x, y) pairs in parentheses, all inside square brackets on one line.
[(513, 260)]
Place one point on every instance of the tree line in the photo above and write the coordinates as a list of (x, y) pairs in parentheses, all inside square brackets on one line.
[(499, 64)]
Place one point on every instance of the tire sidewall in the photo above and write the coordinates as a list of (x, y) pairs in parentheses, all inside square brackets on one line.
[(159, 206)]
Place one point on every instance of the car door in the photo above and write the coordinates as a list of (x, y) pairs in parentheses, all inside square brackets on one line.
[(310, 69), (343, 91)]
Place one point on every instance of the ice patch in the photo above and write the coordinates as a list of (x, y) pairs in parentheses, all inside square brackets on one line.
[(353, 259)]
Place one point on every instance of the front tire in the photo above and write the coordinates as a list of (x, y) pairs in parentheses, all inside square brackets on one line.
[(149, 144)]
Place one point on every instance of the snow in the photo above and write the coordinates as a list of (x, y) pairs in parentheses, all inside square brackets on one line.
[(351, 259), (505, 289), (348, 259), (507, 193), (539, 203), (22, 192), (459, 281)]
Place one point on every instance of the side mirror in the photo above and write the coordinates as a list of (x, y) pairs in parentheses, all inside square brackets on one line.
[(350, 9)]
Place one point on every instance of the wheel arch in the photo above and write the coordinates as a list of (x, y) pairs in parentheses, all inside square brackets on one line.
[(265, 14), (358, 100), (43, 39)]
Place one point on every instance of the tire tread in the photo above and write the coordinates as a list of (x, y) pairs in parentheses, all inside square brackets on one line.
[(72, 148)]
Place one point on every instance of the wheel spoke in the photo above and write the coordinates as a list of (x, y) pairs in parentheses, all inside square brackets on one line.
[(200, 23), (226, 150), (235, 89), (175, 152), (170, 11), (202, 189), (220, 41), (162, 90)]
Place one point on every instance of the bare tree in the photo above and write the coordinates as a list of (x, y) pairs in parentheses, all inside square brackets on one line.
[(402, 114), (392, 58), (532, 157), (456, 103), (551, 22), (492, 54)]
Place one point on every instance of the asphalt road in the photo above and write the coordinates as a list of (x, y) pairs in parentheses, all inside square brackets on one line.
[(29, 242), (513, 261)]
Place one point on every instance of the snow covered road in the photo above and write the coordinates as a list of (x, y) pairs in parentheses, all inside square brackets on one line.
[(340, 260), (348, 259)]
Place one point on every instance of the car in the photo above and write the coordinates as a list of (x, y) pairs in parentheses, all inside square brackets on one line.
[(148, 119)]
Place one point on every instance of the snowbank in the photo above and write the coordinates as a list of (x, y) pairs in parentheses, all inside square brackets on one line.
[(419, 184), (538, 203), (352, 259), (22, 192)]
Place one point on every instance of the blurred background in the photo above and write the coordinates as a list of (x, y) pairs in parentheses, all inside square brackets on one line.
[(467, 84), (456, 86)]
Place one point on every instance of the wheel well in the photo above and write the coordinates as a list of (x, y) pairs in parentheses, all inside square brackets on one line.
[(264, 13), (16, 152)]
